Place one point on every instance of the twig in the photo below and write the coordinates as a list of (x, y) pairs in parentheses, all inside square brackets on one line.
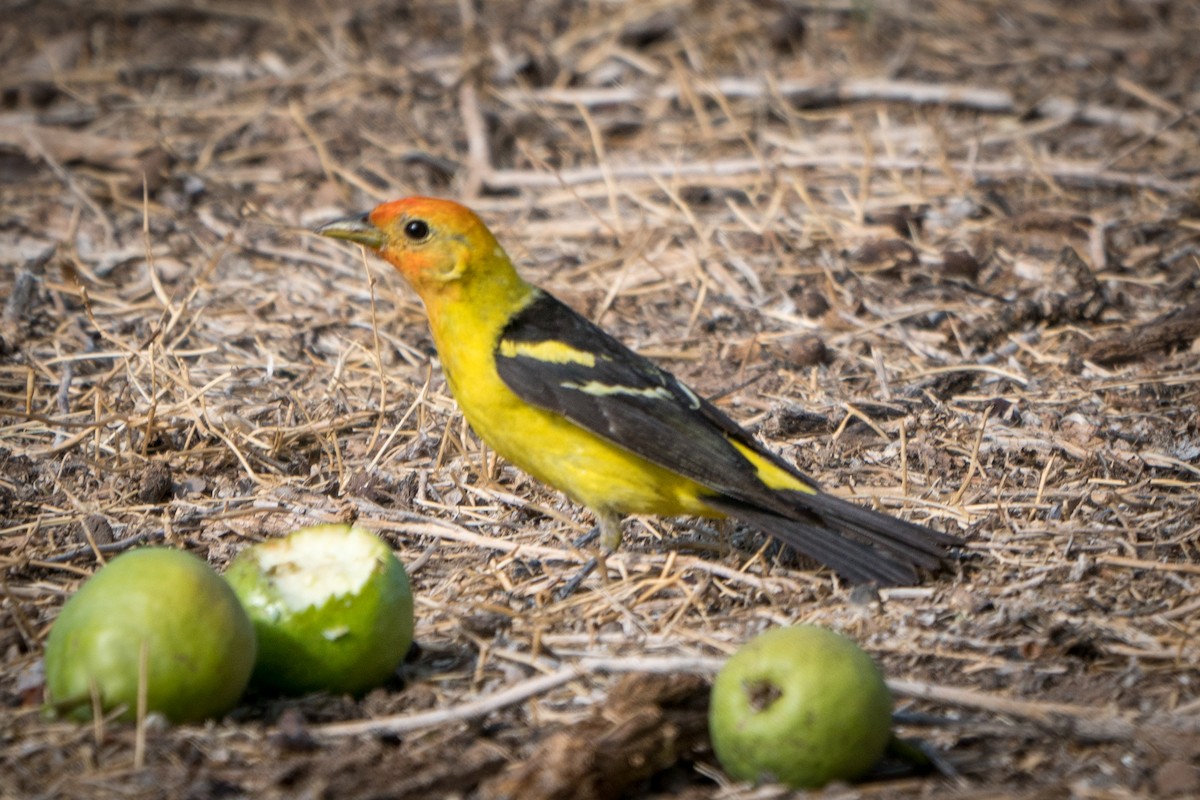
[(1078, 173), (1096, 114), (139, 741), (1085, 723), (973, 466), (107, 548), (812, 93), (405, 723), (1137, 563), (479, 158)]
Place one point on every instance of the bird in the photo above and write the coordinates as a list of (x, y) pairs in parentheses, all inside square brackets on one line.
[(556, 395)]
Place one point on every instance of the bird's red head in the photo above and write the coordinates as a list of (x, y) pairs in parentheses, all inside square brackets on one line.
[(431, 242)]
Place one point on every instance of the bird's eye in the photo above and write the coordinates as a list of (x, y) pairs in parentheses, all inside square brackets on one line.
[(416, 229)]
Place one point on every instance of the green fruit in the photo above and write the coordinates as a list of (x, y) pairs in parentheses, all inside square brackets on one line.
[(331, 606), (802, 706), (197, 642)]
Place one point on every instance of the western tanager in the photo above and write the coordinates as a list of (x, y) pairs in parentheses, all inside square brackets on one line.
[(572, 406)]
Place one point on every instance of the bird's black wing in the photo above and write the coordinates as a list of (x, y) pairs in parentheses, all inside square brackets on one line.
[(555, 359)]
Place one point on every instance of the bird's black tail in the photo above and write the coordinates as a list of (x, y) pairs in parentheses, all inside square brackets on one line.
[(861, 545)]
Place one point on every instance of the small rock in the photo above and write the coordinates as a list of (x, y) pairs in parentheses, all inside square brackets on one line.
[(960, 264), (886, 257), (807, 351), (156, 483), (97, 528), (812, 303)]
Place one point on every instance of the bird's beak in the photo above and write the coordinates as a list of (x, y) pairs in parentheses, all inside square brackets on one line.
[(358, 229)]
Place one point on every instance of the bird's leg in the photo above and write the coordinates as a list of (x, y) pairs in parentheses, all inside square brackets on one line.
[(608, 529), (609, 523)]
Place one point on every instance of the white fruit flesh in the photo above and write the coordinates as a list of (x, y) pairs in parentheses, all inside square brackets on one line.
[(309, 570)]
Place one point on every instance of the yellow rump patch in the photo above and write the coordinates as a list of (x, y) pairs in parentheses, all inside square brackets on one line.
[(770, 474)]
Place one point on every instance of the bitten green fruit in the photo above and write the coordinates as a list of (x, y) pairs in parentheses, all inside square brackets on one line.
[(801, 706), (159, 613), (331, 606)]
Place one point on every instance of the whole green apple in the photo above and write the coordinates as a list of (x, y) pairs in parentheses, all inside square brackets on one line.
[(801, 706), (156, 615), (332, 608)]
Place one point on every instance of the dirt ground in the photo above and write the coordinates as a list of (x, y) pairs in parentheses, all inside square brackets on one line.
[(943, 256)]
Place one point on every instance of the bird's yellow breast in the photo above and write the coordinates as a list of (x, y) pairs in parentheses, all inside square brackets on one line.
[(591, 470)]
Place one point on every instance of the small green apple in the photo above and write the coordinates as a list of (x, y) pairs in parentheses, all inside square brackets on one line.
[(332, 608), (802, 706), (197, 641)]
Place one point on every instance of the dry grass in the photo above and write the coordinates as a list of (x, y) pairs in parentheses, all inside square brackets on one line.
[(944, 256)]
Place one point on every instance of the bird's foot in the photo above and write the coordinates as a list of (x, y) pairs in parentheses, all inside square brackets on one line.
[(570, 586)]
